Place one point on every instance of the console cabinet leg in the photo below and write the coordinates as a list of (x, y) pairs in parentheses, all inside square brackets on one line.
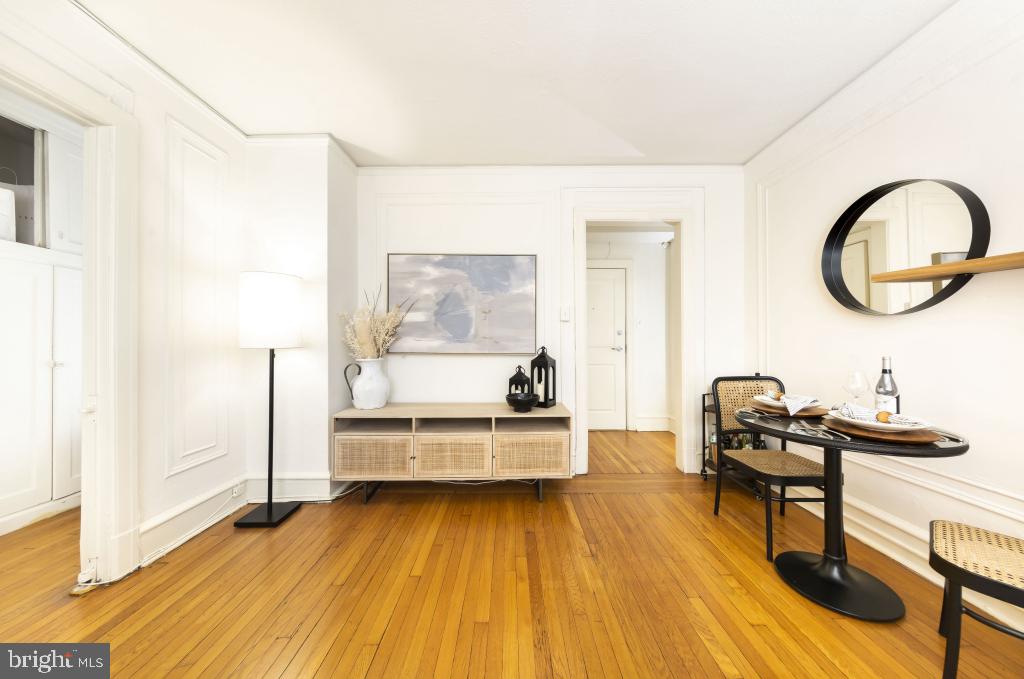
[(368, 492)]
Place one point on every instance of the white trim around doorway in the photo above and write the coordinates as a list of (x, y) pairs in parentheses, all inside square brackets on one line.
[(685, 207), (109, 547)]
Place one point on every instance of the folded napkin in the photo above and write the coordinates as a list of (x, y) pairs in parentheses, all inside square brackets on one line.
[(856, 412), (794, 403)]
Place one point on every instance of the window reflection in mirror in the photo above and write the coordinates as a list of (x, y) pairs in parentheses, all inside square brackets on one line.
[(919, 224)]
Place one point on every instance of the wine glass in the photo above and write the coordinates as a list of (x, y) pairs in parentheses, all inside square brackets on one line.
[(856, 385)]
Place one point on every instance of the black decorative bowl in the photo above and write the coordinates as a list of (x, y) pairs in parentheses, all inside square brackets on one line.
[(522, 403)]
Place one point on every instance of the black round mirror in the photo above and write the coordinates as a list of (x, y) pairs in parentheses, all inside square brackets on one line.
[(903, 225)]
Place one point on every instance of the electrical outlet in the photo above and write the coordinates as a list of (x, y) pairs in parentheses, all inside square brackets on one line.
[(236, 491)]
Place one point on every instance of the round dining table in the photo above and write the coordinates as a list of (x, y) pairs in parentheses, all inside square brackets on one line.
[(828, 578)]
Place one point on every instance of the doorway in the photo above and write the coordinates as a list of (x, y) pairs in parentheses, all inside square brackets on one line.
[(56, 100), (683, 208), (627, 328)]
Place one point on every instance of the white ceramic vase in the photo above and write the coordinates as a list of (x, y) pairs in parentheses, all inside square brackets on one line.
[(370, 388)]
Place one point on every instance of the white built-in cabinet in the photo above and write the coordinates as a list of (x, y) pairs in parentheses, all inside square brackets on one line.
[(40, 376), (41, 323), (67, 381), (65, 184)]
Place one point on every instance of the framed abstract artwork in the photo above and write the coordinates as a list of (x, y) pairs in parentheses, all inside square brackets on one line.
[(465, 304)]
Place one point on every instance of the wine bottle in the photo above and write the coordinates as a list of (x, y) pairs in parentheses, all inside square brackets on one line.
[(886, 391)]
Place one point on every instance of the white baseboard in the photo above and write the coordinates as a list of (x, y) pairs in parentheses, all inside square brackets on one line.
[(904, 543), (652, 423), (178, 525), (291, 486), (23, 518)]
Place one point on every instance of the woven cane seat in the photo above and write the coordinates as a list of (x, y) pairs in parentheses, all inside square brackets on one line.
[(776, 463), (991, 555)]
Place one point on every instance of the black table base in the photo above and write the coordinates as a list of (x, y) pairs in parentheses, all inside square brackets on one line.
[(827, 578), (838, 586)]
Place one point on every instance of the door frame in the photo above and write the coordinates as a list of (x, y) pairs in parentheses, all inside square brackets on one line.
[(684, 207), (109, 541), (630, 365)]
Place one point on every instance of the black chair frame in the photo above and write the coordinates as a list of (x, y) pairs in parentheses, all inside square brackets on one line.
[(749, 478), (953, 606)]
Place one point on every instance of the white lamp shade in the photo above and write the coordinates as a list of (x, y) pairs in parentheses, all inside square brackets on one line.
[(268, 310)]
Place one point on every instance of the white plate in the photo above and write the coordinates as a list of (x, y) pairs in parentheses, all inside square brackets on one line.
[(908, 423)]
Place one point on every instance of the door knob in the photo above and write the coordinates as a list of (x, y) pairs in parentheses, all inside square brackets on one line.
[(618, 348)]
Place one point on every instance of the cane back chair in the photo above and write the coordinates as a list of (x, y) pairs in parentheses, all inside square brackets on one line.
[(978, 559), (760, 466)]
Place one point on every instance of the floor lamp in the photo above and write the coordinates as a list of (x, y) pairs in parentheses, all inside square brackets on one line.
[(267, 319)]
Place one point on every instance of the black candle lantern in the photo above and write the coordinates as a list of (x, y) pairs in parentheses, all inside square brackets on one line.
[(520, 382), (542, 373)]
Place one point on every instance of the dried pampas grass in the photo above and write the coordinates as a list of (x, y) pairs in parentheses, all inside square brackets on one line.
[(369, 334)]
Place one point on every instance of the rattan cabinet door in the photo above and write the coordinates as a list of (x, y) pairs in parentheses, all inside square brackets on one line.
[(531, 456), (445, 457), (373, 458)]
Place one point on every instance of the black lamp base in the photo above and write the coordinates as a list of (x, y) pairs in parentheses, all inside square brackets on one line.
[(261, 518)]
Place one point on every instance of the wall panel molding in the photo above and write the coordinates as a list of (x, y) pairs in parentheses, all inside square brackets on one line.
[(197, 361)]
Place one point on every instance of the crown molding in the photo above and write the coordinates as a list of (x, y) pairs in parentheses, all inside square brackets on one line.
[(425, 170), (156, 70)]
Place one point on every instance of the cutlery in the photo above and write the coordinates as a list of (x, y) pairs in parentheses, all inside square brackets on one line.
[(951, 438), (823, 431), (755, 413)]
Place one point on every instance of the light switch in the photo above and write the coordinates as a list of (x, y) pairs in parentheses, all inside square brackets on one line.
[(565, 314)]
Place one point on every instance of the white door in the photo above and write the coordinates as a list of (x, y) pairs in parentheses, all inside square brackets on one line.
[(26, 307), (855, 271), (67, 381), (606, 348)]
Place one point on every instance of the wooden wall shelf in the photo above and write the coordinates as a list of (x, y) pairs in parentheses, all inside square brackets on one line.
[(938, 272)]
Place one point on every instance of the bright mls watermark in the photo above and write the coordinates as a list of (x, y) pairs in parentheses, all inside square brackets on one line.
[(55, 660)]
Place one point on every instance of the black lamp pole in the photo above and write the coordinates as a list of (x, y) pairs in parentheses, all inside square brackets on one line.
[(269, 514)]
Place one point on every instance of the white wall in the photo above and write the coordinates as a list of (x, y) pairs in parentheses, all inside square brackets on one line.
[(529, 210), (342, 262), (300, 217), (191, 162), (647, 335), (342, 270), (946, 105), (211, 203)]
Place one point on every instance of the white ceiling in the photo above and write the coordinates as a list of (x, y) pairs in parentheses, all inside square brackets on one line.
[(463, 82)]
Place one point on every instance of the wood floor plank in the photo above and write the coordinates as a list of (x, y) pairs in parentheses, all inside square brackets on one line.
[(624, 572)]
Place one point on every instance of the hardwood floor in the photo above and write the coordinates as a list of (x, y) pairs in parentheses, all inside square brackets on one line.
[(624, 572)]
